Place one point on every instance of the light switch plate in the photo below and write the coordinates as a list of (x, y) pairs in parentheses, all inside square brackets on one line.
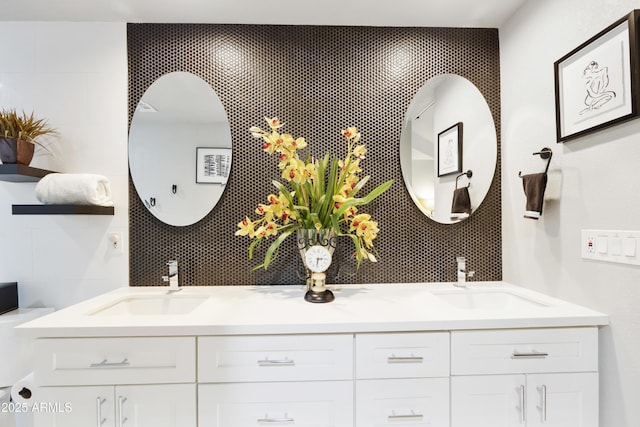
[(619, 246)]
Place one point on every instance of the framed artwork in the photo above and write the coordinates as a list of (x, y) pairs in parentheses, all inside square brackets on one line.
[(450, 150), (212, 165), (596, 84)]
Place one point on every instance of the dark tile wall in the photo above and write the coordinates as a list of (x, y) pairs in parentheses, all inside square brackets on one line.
[(318, 80)]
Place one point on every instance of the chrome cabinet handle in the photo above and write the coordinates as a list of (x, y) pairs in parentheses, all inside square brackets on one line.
[(404, 359), (106, 364), (523, 415), (280, 362), (281, 420), (530, 355), (99, 419), (121, 418), (406, 417), (544, 403)]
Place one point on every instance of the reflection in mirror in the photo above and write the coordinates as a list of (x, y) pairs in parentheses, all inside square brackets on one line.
[(439, 105), (180, 148)]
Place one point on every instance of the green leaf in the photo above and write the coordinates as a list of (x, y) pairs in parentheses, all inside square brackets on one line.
[(363, 200), (272, 251), (354, 239)]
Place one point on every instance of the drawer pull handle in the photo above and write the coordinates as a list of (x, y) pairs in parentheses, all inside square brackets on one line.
[(282, 362), (121, 418), (544, 403), (523, 414), (405, 359), (281, 420), (406, 417), (531, 355), (106, 364), (99, 419)]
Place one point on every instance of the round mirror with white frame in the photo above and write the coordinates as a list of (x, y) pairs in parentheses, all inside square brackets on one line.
[(448, 105), (180, 148)]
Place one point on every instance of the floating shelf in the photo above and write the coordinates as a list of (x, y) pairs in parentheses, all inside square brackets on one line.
[(21, 173), (61, 210)]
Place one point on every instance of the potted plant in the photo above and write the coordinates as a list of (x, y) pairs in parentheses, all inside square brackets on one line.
[(317, 194), (19, 135)]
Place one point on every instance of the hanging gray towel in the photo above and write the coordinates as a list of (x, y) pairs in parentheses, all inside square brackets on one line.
[(461, 205), (534, 186)]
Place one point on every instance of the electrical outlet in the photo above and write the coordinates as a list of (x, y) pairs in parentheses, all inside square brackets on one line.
[(116, 242), (610, 245)]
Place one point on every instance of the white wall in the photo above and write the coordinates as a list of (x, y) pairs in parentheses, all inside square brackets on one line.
[(598, 190), (75, 75)]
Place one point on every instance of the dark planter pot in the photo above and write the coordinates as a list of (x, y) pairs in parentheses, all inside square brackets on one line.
[(14, 151)]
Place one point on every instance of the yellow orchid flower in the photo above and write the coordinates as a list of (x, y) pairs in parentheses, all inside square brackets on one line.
[(293, 171), (309, 171), (270, 142), (368, 231), (274, 123), (285, 157), (270, 229), (256, 132), (299, 143), (246, 228), (266, 211), (360, 151), (350, 132), (357, 220)]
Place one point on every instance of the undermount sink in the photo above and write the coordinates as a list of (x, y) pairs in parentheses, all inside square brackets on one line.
[(487, 299), (145, 305)]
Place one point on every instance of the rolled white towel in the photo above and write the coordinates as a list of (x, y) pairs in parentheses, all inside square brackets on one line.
[(74, 189), (554, 185)]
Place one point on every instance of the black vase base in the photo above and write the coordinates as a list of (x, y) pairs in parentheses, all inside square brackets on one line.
[(319, 297)]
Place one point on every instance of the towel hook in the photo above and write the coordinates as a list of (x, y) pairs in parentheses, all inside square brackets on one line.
[(174, 189), (468, 173), (545, 154)]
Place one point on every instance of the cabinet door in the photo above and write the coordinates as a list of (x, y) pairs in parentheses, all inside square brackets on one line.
[(74, 407), (488, 401), (303, 404), (562, 400), (408, 402), (172, 405)]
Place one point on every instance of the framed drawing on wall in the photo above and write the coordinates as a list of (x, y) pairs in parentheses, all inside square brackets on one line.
[(212, 165), (597, 83), (450, 150)]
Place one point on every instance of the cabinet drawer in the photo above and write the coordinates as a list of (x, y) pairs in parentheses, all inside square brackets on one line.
[(275, 358), (524, 351), (308, 404), (88, 361), (414, 402), (402, 355)]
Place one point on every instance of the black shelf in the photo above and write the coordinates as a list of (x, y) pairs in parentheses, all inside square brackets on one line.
[(61, 210), (21, 173)]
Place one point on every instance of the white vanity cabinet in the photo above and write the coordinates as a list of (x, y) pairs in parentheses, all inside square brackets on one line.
[(402, 378), (528, 377), (381, 357), (302, 380), (161, 405), (116, 382)]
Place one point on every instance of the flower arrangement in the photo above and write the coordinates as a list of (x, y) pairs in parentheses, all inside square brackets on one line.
[(316, 194)]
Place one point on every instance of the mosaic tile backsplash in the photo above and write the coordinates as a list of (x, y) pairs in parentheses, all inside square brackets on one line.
[(318, 80)]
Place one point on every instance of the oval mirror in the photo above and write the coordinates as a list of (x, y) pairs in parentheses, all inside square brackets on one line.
[(448, 142), (180, 148)]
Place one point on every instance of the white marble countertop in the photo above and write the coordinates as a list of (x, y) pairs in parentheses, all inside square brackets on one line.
[(246, 310)]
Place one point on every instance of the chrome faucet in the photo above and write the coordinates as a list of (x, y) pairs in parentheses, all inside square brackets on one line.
[(172, 278), (462, 271)]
